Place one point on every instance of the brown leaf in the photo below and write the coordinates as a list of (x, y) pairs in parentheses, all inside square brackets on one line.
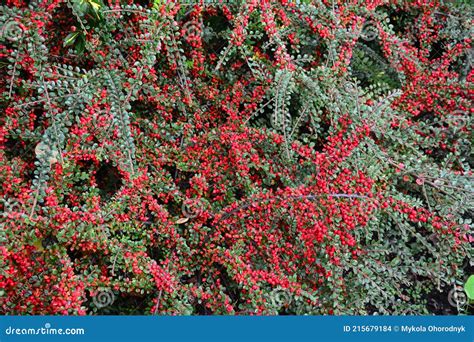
[(182, 220)]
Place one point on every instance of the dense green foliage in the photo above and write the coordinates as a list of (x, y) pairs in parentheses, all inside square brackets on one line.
[(240, 157)]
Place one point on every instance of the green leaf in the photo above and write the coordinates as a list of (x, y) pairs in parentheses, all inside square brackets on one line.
[(71, 38), (469, 287), (95, 6), (82, 6)]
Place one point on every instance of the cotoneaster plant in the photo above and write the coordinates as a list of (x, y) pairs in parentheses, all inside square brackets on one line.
[(240, 157)]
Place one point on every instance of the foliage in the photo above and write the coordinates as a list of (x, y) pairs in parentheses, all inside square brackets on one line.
[(235, 157)]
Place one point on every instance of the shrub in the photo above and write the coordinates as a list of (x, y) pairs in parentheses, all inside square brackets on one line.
[(244, 157)]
